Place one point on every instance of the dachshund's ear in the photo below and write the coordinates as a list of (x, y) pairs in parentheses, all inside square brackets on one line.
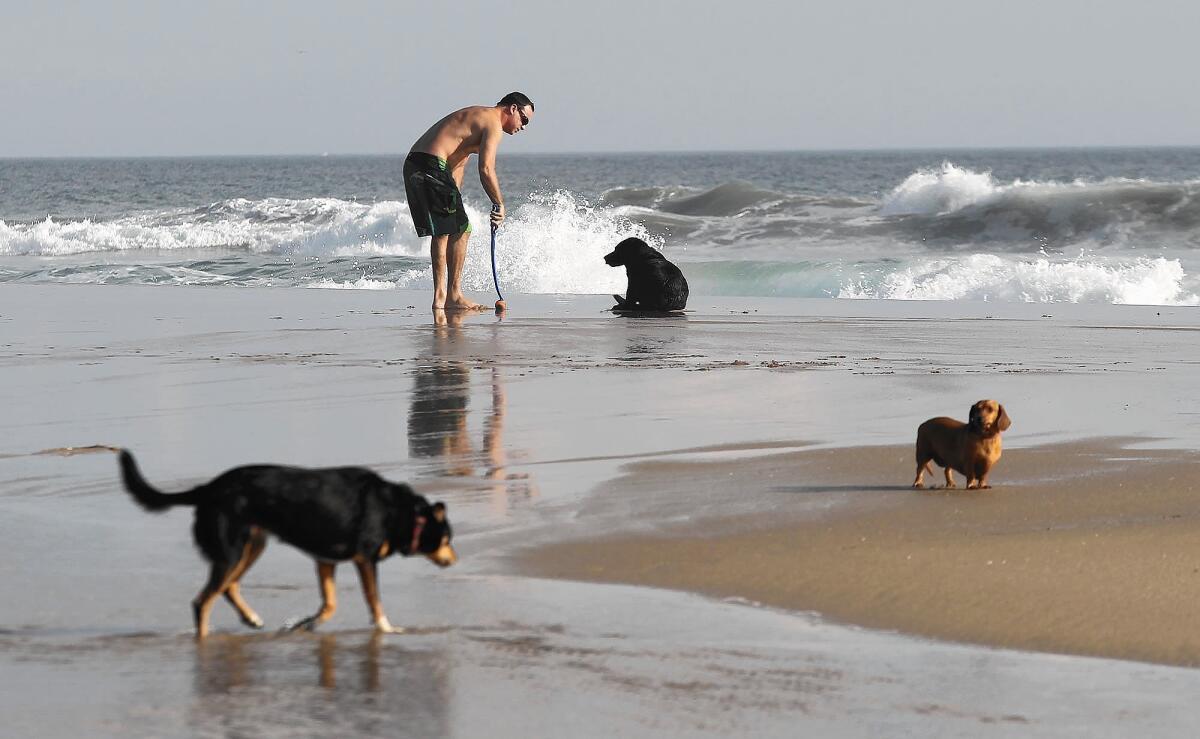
[(1002, 421)]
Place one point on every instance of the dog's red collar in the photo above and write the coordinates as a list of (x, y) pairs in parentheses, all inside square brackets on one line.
[(418, 526)]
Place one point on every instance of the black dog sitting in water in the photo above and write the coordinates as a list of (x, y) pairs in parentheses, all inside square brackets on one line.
[(654, 283), (333, 514)]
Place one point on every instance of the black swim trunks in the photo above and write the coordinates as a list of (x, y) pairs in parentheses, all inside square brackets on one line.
[(433, 197)]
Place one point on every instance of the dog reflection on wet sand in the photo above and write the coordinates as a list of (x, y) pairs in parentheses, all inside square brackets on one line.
[(238, 661), (347, 684)]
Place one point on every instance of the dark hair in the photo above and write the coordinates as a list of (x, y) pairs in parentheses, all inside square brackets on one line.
[(516, 98)]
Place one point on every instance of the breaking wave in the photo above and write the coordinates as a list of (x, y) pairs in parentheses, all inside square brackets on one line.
[(956, 206), (945, 233)]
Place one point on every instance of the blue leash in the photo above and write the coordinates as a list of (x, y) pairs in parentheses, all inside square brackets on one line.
[(495, 279)]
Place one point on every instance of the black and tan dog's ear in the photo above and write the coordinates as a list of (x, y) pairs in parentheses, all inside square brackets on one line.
[(975, 417), (1002, 421), (439, 512)]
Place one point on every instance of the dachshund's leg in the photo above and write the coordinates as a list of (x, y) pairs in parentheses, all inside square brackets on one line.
[(922, 468), (949, 477)]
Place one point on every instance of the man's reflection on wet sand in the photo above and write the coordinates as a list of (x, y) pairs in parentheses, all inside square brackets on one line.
[(438, 427), (256, 684)]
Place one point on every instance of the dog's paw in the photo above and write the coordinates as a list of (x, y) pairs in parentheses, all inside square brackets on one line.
[(253, 621), (308, 623), (918, 486), (383, 626)]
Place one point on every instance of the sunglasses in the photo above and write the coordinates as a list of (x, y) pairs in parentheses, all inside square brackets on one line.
[(524, 118)]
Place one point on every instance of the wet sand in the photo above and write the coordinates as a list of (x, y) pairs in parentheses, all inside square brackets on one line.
[(1082, 548), (749, 450)]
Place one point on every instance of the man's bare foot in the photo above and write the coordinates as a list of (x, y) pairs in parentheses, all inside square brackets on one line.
[(462, 304)]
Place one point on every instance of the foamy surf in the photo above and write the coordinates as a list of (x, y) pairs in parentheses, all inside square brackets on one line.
[(822, 226), (317, 226), (989, 277), (959, 205)]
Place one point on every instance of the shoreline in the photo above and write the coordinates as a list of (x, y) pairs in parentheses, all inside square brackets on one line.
[(560, 421), (1081, 548)]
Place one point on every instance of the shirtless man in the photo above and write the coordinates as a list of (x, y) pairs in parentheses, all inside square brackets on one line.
[(433, 174)]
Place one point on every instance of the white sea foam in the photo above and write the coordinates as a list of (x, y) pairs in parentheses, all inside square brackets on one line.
[(315, 226), (362, 283), (942, 190), (554, 243), (952, 234), (1087, 279)]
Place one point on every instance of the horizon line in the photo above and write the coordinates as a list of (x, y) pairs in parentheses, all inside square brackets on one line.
[(623, 152)]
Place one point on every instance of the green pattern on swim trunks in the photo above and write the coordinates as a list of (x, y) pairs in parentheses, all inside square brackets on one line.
[(434, 200)]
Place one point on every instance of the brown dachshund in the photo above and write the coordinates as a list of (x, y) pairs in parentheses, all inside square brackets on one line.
[(972, 448)]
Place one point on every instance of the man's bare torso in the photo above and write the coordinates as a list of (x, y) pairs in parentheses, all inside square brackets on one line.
[(458, 135)]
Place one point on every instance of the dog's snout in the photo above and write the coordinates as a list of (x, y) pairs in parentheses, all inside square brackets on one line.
[(444, 556)]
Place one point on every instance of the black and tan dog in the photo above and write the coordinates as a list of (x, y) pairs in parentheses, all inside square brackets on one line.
[(971, 448), (654, 283), (333, 514)]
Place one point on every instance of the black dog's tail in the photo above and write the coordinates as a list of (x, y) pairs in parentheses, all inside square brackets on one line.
[(145, 494)]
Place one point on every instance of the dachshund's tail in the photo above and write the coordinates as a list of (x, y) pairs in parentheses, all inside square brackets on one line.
[(146, 495)]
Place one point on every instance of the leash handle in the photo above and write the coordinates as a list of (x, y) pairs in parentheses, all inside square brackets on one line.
[(495, 279)]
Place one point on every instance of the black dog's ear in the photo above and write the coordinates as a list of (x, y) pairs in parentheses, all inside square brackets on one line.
[(631, 244), (439, 512)]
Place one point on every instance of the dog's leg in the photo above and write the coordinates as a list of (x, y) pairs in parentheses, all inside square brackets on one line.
[(370, 586), (922, 468), (250, 553), (328, 599), (981, 481), (949, 477), (218, 580), (976, 472)]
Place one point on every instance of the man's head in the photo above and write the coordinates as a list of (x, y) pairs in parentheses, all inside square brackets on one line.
[(515, 112)]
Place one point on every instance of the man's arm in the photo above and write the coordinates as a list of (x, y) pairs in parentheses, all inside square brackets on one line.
[(487, 169)]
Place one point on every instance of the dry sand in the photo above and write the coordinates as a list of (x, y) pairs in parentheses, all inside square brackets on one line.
[(1082, 548)]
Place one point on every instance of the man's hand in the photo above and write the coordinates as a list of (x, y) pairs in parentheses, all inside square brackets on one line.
[(497, 215)]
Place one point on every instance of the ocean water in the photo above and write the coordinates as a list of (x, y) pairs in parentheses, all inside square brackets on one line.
[(1045, 226)]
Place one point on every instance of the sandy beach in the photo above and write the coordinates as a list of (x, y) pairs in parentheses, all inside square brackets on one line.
[(749, 462), (1084, 548)]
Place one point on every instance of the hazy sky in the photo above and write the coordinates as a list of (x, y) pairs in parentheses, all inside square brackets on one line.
[(161, 78)]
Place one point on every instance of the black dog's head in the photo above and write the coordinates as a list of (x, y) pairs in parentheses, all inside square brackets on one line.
[(631, 251), (435, 534)]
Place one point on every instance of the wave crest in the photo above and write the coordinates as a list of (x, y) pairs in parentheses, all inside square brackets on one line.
[(956, 206), (272, 225), (1088, 279)]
